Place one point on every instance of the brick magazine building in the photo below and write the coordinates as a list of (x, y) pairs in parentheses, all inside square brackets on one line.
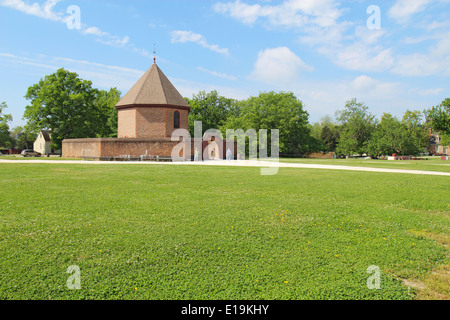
[(147, 116)]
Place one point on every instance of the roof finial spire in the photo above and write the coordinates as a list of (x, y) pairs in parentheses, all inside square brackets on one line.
[(154, 53)]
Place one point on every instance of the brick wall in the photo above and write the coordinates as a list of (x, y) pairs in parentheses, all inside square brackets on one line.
[(127, 123), (98, 148), (137, 147), (184, 124), (149, 122), (79, 148), (443, 150), (320, 155)]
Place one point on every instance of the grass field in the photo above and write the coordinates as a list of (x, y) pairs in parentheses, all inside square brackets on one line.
[(189, 232), (430, 164)]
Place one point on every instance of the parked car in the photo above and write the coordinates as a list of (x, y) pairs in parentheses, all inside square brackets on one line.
[(30, 153)]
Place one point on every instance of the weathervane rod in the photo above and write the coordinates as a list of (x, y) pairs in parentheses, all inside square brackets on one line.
[(154, 53)]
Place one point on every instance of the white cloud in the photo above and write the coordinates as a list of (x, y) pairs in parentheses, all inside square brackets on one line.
[(317, 22), (442, 48), (133, 72), (403, 10), (95, 31), (419, 64), (183, 36), (44, 11), (115, 41), (102, 76), (364, 34), (217, 74), (248, 14), (435, 61), (360, 57), (188, 88), (426, 92), (366, 86), (325, 97), (320, 36), (319, 26), (278, 66), (106, 76), (10, 59), (290, 13), (437, 25), (359, 51), (420, 39), (323, 12), (106, 38)]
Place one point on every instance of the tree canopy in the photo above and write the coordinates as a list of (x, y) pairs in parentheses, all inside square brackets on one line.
[(211, 109), (330, 136), (5, 119), (107, 113), (22, 138), (394, 136), (70, 108), (358, 125), (439, 117), (275, 110)]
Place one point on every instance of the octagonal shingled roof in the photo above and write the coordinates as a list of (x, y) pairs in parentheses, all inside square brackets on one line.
[(153, 89)]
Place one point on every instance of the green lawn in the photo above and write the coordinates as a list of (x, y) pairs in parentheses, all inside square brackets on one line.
[(431, 164), (189, 232)]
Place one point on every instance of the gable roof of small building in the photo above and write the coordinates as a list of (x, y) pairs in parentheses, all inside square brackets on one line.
[(153, 89), (46, 135)]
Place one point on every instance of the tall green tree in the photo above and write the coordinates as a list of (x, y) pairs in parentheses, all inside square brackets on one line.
[(276, 110), (358, 125), (107, 114), (69, 107), (445, 140), (414, 122), (317, 127), (211, 109), (316, 130), (325, 133), (405, 137), (5, 119), (439, 117), (23, 138), (330, 136), (389, 137)]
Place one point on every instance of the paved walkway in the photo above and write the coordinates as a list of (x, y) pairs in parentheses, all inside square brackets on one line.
[(242, 163)]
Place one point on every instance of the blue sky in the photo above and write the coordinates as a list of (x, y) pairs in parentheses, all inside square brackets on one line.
[(322, 50)]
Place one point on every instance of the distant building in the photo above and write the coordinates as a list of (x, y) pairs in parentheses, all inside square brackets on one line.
[(436, 148), (43, 143), (443, 150)]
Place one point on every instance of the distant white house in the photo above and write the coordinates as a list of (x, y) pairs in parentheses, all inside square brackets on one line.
[(43, 143)]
